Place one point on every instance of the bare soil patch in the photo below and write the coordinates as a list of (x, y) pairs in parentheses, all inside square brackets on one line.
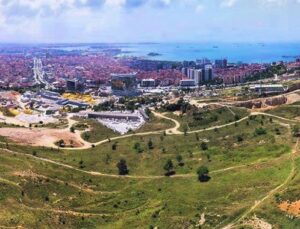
[(41, 137), (257, 223), (292, 208), (292, 98)]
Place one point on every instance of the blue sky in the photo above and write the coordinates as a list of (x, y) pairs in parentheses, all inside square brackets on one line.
[(149, 20)]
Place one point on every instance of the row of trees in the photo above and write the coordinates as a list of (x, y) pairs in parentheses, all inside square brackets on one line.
[(202, 171)]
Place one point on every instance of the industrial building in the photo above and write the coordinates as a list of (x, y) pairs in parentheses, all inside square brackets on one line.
[(267, 89)]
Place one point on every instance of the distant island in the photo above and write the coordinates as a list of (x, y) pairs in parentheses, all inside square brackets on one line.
[(153, 54)]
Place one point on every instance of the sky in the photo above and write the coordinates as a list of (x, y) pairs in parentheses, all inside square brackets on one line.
[(84, 21)]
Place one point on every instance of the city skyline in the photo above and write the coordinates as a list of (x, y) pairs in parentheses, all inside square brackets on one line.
[(109, 21)]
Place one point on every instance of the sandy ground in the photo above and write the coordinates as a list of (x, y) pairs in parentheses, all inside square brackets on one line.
[(291, 208), (292, 98), (41, 137), (257, 223)]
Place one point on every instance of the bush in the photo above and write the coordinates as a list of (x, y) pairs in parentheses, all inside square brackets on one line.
[(240, 138), (204, 146), (169, 168), (122, 166), (138, 148), (203, 172), (260, 131)]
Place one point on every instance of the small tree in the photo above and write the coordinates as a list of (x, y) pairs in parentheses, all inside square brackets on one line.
[(107, 159), (296, 131), (150, 144), (137, 147), (204, 146), (114, 146), (185, 130), (197, 136), (208, 157), (86, 136), (203, 172), (260, 131), (72, 129), (122, 166), (240, 138), (179, 160), (61, 143), (169, 167)]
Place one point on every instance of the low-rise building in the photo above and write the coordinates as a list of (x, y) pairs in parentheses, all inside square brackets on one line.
[(267, 89)]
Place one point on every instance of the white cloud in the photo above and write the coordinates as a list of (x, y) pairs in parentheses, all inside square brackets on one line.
[(199, 8), (106, 20), (115, 3), (228, 3)]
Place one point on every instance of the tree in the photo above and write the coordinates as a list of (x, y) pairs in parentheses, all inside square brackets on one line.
[(114, 146), (240, 138), (207, 157), (296, 131), (150, 144), (197, 136), (72, 129), (204, 146), (61, 143), (137, 147), (169, 167), (203, 172), (185, 129), (179, 160), (86, 136), (260, 131), (122, 166), (107, 159)]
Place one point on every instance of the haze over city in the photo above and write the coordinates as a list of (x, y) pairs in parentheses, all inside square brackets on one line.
[(59, 21)]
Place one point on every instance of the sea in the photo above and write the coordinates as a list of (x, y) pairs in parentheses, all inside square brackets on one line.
[(234, 52)]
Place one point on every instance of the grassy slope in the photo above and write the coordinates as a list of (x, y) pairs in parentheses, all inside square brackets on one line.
[(209, 118), (97, 132), (286, 111), (224, 150), (155, 124), (139, 203)]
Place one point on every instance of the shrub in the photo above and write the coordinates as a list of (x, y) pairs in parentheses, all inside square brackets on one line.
[(260, 131), (203, 172)]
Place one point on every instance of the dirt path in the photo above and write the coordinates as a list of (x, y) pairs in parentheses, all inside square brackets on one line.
[(174, 130), (67, 212), (9, 182), (93, 173), (84, 188), (274, 116)]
